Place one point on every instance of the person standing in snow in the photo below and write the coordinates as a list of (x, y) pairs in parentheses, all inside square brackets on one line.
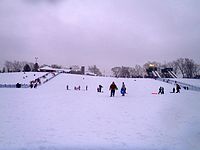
[(113, 87), (86, 88), (161, 90), (67, 87), (178, 88), (99, 89), (123, 89), (173, 90)]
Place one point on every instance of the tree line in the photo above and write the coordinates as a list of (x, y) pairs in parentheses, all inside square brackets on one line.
[(185, 67), (19, 66)]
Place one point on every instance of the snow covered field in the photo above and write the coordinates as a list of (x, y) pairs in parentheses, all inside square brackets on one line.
[(52, 118)]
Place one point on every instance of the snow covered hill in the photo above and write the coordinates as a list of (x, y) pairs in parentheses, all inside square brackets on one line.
[(53, 118), (19, 77)]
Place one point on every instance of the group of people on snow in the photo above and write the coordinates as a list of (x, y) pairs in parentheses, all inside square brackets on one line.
[(175, 89), (113, 87), (178, 88), (35, 83), (161, 90), (77, 87)]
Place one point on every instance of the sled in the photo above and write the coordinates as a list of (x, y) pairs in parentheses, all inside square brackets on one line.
[(155, 93)]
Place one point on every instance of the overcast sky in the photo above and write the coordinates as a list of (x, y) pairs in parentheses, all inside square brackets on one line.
[(102, 32)]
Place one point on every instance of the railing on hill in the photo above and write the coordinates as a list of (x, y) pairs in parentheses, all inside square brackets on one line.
[(182, 84), (48, 79), (14, 86)]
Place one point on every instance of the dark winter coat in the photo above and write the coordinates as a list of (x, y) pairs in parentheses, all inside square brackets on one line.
[(113, 86)]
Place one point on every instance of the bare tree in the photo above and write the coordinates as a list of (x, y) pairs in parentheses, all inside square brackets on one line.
[(95, 70), (190, 68), (139, 71), (132, 72), (187, 67), (179, 63), (174, 66), (32, 66), (116, 71), (125, 72), (9, 66), (198, 70), (4, 69), (17, 66)]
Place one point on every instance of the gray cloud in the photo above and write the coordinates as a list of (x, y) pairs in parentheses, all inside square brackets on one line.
[(106, 32), (43, 1)]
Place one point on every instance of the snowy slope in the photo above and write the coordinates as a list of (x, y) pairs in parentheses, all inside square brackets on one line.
[(50, 117), (20, 77), (195, 82)]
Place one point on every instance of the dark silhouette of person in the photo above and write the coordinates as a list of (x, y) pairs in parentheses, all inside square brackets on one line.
[(178, 88), (99, 89), (31, 84), (173, 90), (113, 87), (86, 88), (18, 85), (161, 90), (35, 86)]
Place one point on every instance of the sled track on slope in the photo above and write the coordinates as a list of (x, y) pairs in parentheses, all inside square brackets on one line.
[(49, 79)]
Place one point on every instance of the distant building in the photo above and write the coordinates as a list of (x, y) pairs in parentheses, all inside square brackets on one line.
[(72, 70), (154, 72), (50, 69), (90, 74), (77, 70), (82, 69), (151, 71)]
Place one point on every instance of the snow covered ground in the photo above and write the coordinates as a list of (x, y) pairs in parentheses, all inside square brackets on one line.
[(19, 77), (52, 118)]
